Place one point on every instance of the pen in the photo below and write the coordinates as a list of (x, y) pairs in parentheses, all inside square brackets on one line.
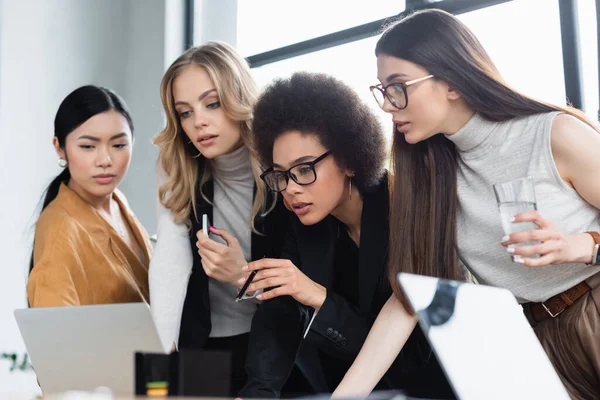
[(244, 288)]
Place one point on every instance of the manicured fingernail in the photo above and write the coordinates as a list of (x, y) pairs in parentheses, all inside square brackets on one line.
[(510, 249), (245, 268), (505, 238), (260, 297), (519, 261), (212, 227), (242, 280), (512, 219)]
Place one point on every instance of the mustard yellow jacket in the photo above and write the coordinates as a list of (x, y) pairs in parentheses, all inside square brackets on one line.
[(79, 259)]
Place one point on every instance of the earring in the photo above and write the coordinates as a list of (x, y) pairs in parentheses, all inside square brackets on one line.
[(350, 179), (62, 163)]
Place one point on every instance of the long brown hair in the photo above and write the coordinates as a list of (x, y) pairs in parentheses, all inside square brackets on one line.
[(179, 158), (424, 198)]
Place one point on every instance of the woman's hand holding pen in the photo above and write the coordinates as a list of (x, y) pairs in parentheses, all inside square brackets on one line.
[(285, 279), (221, 262)]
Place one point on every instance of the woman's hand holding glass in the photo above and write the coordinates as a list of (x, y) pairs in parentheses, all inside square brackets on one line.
[(553, 246)]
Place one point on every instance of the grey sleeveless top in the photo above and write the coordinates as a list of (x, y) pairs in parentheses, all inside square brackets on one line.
[(492, 152)]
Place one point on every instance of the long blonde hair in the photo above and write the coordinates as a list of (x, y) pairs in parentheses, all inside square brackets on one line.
[(237, 94)]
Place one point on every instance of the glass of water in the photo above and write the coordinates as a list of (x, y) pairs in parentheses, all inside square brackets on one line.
[(515, 197)]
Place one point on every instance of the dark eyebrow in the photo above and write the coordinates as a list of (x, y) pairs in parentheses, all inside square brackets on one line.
[(95, 139), (118, 136), (202, 96), (395, 76), (298, 161)]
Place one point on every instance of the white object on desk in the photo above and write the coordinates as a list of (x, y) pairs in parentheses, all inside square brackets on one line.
[(482, 340), (86, 347)]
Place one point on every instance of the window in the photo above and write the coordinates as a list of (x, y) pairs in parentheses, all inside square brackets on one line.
[(530, 60), (529, 57), (354, 63), (588, 40), (268, 24)]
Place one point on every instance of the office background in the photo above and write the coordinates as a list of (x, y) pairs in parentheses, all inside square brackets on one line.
[(546, 48)]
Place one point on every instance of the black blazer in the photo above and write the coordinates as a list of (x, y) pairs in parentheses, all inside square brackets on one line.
[(339, 328), (195, 319)]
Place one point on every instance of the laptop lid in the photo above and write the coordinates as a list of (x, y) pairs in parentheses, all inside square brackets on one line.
[(85, 347), (482, 340)]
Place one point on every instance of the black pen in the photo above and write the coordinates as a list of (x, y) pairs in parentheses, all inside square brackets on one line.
[(242, 291), (244, 288)]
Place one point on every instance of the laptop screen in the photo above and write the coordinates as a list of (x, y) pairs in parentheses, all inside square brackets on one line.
[(85, 347), (482, 339)]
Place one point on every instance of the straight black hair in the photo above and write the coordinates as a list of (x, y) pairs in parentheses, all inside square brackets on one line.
[(79, 106)]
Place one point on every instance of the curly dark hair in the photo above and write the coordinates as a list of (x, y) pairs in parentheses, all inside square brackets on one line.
[(321, 105)]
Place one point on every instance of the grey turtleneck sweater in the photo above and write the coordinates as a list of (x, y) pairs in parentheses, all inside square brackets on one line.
[(232, 209), (172, 259)]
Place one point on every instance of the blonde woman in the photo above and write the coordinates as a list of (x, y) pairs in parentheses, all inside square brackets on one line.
[(206, 166)]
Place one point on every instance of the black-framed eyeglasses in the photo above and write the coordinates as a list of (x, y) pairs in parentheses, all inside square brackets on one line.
[(395, 92), (303, 174)]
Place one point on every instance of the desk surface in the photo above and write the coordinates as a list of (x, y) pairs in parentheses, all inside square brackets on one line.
[(91, 396)]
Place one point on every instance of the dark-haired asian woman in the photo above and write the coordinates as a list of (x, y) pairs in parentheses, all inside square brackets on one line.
[(89, 248)]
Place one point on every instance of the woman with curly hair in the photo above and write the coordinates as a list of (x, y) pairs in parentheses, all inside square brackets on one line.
[(206, 166), (325, 153)]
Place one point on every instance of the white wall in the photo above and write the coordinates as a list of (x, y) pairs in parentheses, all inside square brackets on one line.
[(144, 48), (47, 49)]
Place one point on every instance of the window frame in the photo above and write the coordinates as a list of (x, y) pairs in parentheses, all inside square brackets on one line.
[(571, 49)]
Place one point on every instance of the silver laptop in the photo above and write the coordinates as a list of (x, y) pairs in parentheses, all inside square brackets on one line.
[(86, 347), (482, 339)]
